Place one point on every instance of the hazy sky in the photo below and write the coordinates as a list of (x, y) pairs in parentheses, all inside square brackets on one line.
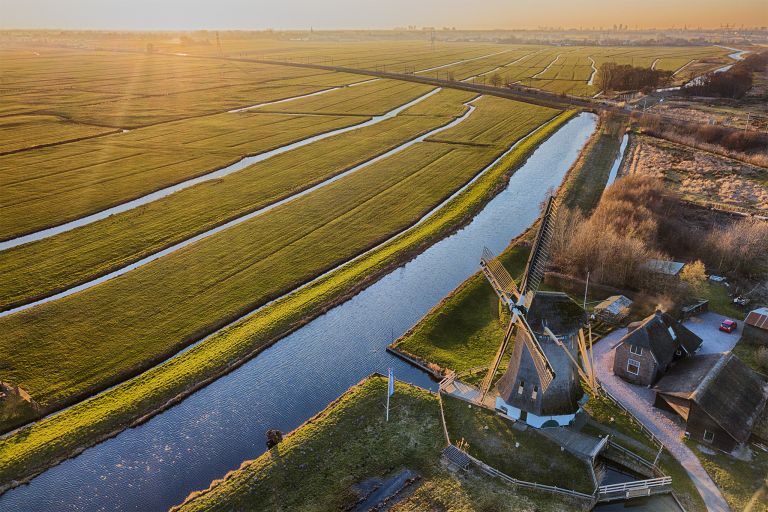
[(324, 14)]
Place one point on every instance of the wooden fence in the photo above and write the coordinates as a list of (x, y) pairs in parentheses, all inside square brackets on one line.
[(522, 483)]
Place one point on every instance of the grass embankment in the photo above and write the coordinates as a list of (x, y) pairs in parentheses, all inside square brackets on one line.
[(59, 262), (744, 484), (197, 290), (315, 467), (463, 331), (36, 447), (522, 454), (49, 186)]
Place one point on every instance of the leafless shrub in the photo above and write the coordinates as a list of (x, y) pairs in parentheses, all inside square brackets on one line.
[(741, 248)]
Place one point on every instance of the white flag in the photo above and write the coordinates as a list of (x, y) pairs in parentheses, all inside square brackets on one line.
[(391, 382)]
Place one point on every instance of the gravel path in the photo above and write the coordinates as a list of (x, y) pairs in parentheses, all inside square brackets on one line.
[(667, 428)]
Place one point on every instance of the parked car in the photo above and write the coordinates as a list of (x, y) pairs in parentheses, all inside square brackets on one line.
[(728, 325)]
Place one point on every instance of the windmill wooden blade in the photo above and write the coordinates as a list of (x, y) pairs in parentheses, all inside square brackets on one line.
[(537, 260), (499, 277), (544, 368), (585, 374), (488, 380)]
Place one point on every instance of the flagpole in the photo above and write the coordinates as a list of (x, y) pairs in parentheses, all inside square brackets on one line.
[(390, 388), (387, 404)]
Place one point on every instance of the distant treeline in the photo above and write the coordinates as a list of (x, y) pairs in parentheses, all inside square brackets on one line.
[(623, 77), (733, 83)]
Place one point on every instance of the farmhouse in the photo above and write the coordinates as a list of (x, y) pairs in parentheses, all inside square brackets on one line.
[(756, 326), (648, 349), (721, 399)]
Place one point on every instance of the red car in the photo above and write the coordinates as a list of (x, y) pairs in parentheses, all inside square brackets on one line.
[(728, 326)]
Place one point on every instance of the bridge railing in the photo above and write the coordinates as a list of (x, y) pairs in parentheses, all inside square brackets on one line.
[(633, 489)]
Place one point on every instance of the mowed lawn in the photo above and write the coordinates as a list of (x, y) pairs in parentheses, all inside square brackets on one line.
[(82, 343), (59, 262)]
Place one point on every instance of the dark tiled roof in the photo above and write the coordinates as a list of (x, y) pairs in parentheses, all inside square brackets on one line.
[(654, 334)]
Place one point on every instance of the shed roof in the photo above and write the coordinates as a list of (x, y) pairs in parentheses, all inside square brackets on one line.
[(670, 268), (655, 333), (687, 376), (614, 304), (758, 318)]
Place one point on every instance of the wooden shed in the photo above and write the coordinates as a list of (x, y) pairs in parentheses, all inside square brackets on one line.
[(613, 310)]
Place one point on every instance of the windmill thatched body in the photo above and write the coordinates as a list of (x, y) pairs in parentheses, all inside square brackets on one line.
[(520, 385)]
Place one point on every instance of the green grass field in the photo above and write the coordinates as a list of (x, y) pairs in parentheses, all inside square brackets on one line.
[(464, 330), (61, 261), (56, 352), (37, 446), (49, 186), (744, 483), (363, 446)]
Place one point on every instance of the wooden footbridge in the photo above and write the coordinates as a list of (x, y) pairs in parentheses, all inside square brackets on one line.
[(635, 489)]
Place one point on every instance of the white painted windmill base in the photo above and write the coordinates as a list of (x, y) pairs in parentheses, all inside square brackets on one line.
[(533, 420)]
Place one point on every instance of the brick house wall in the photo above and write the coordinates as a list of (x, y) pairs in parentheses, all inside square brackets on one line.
[(647, 371)]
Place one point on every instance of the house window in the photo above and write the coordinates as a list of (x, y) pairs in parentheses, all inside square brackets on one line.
[(638, 351), (520, 388), (535, 392), (709, 436), (633, 366)]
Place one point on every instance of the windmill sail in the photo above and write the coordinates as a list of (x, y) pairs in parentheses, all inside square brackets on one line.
[(537, 260), (540, 362), (499, 277)]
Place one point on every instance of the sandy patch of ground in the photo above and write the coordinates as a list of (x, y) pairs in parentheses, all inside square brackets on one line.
[(700, 176)]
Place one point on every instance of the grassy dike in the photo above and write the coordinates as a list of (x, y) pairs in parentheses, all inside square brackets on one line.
[(32, 449), (463, 330), (299, 475)]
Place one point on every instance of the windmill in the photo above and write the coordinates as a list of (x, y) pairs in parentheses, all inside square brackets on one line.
[(541, 378)]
